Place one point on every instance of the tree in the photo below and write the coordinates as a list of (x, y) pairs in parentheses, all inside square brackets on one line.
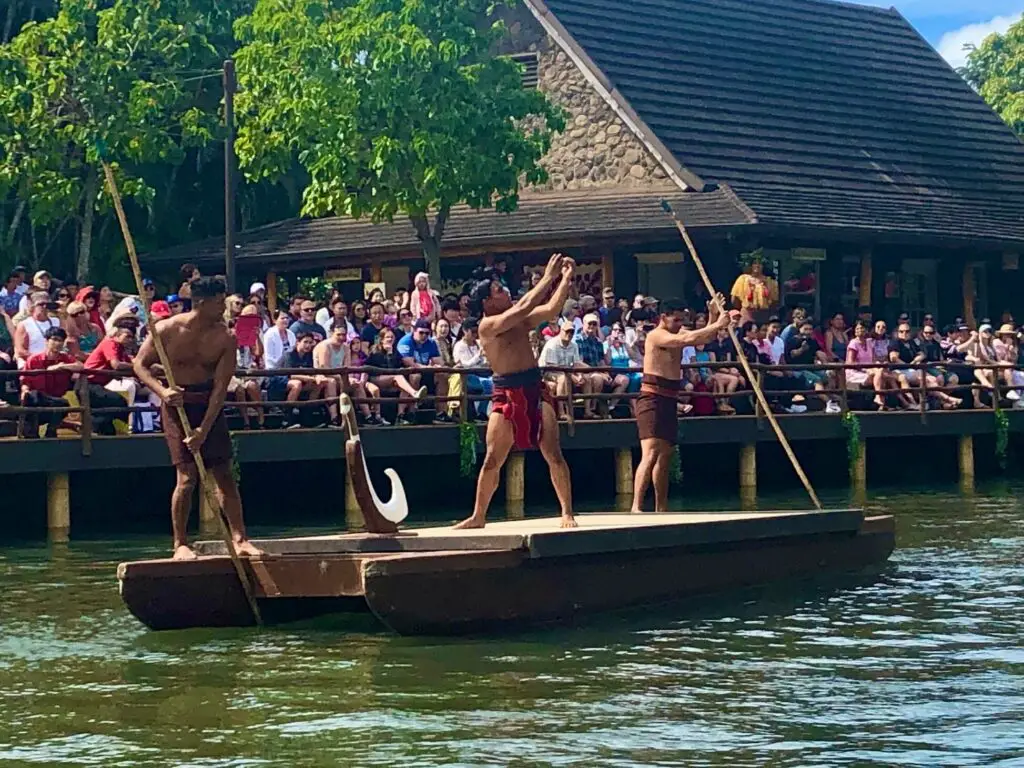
[(391, 106), (995, 69), (89, 83)]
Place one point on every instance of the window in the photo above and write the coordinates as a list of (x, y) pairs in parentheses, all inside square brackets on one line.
[(531, 68)]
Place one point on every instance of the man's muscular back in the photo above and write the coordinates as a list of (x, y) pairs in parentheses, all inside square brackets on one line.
[(194, 352)]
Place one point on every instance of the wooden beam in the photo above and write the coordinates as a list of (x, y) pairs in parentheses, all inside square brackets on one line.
[(272, 291), (865, 278), (376, 271), (969, 291), (607, 271)]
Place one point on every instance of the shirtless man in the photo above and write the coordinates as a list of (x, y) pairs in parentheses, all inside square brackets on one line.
[(201, 352), (656, 418), (522, 416)]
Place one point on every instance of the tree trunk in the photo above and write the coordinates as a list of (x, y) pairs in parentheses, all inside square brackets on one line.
[(88, 214), (431, 242), (12, 9), (18, 213)]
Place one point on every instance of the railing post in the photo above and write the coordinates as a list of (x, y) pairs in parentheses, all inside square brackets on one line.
[(463, 399), (844, 393), (924, 392), (85, 401)]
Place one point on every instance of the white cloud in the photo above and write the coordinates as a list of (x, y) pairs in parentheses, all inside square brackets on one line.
[(951, 46)]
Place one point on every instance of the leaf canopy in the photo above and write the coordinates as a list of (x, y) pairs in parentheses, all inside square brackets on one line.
[(996, 70)]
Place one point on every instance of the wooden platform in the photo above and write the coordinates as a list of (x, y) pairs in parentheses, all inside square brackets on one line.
[(440, 581)]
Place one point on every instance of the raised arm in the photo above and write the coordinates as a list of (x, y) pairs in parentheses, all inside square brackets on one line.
[(524, 309), (548, 311), (717, 319)]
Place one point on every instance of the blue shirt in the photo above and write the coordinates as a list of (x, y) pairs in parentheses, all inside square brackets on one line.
[(591, 350), (421, 353)]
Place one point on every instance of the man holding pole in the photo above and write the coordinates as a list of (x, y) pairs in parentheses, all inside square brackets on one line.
[(201, 353), (656, 418)]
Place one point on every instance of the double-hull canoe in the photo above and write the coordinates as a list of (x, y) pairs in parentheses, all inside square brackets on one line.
[(439, 581)]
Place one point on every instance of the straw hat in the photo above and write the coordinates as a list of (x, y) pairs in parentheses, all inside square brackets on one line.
[(1006, 330)]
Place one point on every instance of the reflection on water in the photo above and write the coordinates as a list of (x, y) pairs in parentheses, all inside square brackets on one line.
[(922, 666)]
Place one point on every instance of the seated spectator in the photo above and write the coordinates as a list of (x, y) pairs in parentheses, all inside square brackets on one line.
[(726, 380), (936, 375), (9, 391), (310, 385), (39, 391), (562, 352), (793, 329), (62, 298), (10, 296), (278, 341), (41, 283), (360, 387), (609, 311), (334, 353), (111, 356), (306, 322), (338, 317), (83, 335), (469, 354), (30, 334), (450, 313), (621, 355), (386, 356), (420, 353), (373, 327), (1008, 357), (175, 303), (536, 343), (324, 314), (187, 273), (592, 353), (248, 389), (904, 350), (803, 349), (861, 352), (836, 339), (403, 324)]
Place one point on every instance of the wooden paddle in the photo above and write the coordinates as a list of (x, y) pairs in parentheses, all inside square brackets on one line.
[(205, 483), (743, 359)]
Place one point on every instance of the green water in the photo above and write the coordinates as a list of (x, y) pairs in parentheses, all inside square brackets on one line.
[(920, 666)]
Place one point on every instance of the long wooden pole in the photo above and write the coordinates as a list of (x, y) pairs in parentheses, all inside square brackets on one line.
[(743, 360), (205, 483)]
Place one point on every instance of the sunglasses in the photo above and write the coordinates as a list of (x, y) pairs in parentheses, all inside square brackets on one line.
[(307, 309), (75, 314)]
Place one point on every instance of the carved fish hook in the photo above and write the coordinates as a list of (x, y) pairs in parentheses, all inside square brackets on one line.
[(395, 509)]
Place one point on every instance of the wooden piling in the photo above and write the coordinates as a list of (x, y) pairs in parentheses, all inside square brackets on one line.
[(748, 466), (353, 514), (859, 470), (967, 460), (624, 471), (58, 506), (515, 479)]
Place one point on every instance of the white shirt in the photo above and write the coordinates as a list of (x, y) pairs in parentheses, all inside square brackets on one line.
[(778, 348), (467, 356), (322, 316), (275, 348), (555, 353), (328, 325)]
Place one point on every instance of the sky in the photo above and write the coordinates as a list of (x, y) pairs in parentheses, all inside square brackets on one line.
[(948, 24)]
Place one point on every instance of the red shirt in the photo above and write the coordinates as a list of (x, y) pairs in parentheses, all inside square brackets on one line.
[(100, 359), (55, 384)]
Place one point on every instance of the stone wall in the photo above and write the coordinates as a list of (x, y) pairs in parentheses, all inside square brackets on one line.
[(597, 150)]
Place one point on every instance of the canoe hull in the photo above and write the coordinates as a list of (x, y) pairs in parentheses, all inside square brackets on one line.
[(423, 592)]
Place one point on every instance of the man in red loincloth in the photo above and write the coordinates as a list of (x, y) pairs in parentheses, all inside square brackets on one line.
[(522, 416), (656, 418), (201, 353)]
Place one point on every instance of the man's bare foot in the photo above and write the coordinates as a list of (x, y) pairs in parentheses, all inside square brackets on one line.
[(636, 511), (470, 523), (248, 549), (184, 552), (568, 521)]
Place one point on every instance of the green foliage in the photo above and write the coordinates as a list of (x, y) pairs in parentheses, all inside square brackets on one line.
[(467, 448), (852, 425), (996, 70), (391, 106), (1002, 437), (236, 468), (675, 467)]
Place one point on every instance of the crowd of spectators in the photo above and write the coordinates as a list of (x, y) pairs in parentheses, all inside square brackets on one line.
[(592, 355)]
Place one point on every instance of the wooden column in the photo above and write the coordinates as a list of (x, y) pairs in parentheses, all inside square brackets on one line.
[(859, 470), (515, 479), (272, 291), (969, 291), (607, 272), (376, 273), (624, 471), (748, 466), (58, 506), (967, 460), (865, 278)]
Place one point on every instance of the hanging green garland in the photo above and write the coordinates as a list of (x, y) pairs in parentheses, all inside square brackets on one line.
[(1002, 436), (852, 425), (675, 467), (467, 448)]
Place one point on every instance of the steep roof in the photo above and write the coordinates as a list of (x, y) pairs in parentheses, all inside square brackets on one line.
[(553, 217), (816, 113)]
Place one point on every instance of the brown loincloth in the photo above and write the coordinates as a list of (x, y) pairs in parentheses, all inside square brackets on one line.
[(520, 398), (216, 450), (656, 416)]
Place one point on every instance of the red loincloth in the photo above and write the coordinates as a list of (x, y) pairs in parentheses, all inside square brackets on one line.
[(519, 397)]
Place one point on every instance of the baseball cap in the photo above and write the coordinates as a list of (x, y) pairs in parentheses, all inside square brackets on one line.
[(986, 328), (160, 309), (567, 325), (422, 324), (591, 318), (146, 282), (172, 298), (608, 292), (39, 274), (650, 300), (256, 288)]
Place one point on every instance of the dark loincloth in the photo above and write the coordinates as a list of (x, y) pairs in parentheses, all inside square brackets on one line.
[(216, 450), (519, 397), (656, 416)]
